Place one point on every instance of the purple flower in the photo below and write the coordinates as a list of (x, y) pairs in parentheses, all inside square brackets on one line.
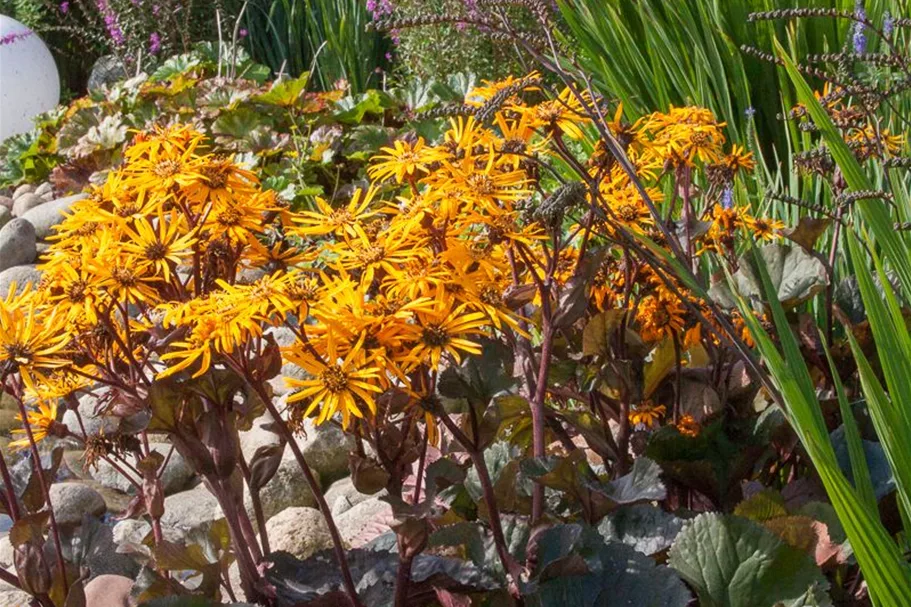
[(65, 7), (154, 43), (15, 36), (155, 10), (242, 33), (727, 198), (749, 112), (859, 39), (388, 56), (888, 24), (858, 36)]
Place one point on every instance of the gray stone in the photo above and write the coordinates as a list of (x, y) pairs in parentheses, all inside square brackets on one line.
[(44, 189), (10, 597), (174, 477), (109, 591), (93, 423), (188, 510), (25, 188), (129, 531), (25, 203), (6, 202), (288, 488), (6, 551), (134, 531), (5, 216), (49, 214), (326, 449), (300, 531), (21, 276), (73, 499), (108, 69), (365, 522), (116, 502), (8, 421), (101, 556), (342, 496), (17, 244)]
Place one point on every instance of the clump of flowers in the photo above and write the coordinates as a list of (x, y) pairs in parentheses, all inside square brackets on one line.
[(170, 284)]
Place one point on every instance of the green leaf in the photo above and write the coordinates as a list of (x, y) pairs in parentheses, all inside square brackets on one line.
[(656, 369), (175, 66), (284, 93), (733, 562), (352, 110), (795, 275), (580, 570), (646, 528), (599, 330)]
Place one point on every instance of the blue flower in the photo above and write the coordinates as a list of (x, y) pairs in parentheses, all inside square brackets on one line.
[(727, 198), (749, 112), (888, 24)]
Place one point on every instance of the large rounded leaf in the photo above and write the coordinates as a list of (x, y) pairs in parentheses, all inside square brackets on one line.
[(795, 275), (618, 575), (733, 562)]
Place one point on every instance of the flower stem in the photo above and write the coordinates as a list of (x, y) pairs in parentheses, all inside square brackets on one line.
[(337, 544), (39, 470)]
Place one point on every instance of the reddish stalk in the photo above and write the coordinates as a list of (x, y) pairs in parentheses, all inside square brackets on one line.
[(36, 460)]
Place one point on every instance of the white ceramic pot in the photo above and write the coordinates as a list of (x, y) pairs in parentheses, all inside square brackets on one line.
[(29, 84)]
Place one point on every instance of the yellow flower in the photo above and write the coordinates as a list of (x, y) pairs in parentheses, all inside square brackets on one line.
[(659, 316), (329, 220), (762, 228), (40, 423), (443, 330), (403, 160), (647, 413), (688, 426), (162, 249), (336, 383), (32, 337)]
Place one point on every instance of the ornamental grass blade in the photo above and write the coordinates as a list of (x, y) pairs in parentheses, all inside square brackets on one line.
[(887, 575)]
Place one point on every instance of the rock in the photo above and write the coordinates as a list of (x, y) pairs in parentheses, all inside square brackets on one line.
[(134, 531), (44, 189), (10, 597), (5, 216), (6, 202), (116, 502), (100, 555), (108, 69), (21, 276), (6, 551), (188, 510), (73, 499), (49, 214), (287, 488), (8, 421), (92, 422), (300, 531), (109, 591), (17, 243), (25, 203), (25, 188), (258, 436), (7, 401), (364, 522), (342, 496), (129, 531), (174, 477), (326, 449)]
